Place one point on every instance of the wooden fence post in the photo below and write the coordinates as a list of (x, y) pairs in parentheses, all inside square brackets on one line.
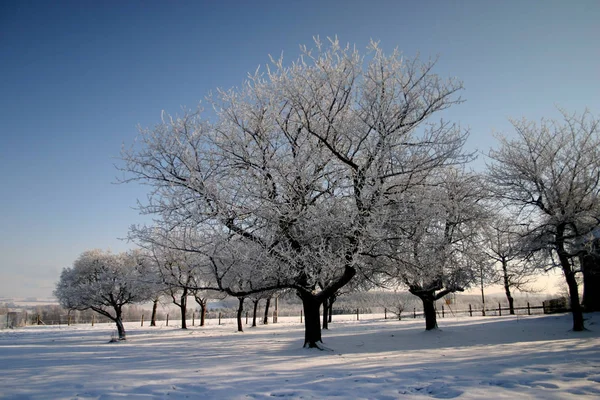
[(528, 309), (193, 318), (92, 319), (415, 312), (219, 317), (142, 324), (470, 311), (167, 319), (499, 309), (357, 318), (442, 311), (384, 313), (246, 317)]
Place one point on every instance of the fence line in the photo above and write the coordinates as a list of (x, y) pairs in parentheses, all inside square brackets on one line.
[(17, 319)]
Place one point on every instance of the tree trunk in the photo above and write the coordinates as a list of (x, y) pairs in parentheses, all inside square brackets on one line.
[(429, 311), (183, 307), (154, 308), (511, 301), (119, 322), (330, 305), (312, 323), (570, 278), (325, 314), (239, 314), (120, 328), (574, 294), (590, 267), (266, 318), (482, 296), (202, 313), (254, 312)]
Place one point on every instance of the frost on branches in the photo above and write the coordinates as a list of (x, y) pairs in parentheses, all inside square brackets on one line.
[(551, 173), (286, 183), (104, 282), (430, 241)]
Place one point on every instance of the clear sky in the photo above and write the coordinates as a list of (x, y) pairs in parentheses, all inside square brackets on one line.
[(78, 77)]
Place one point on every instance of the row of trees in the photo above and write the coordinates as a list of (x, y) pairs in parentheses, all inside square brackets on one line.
[(332, 174)]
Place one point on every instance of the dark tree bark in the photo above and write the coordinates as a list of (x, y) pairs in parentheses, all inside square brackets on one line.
[(154, 308), (429, 311), (482, 296), (569, 274), (240, 310), (254, 312), (312, 323), (202, 302), (266, 317), (202, 313), (117, 318), (183, 308), (428, 297), (332, 300), (511, 300), (120, 328), (590, 267), (325, 314)]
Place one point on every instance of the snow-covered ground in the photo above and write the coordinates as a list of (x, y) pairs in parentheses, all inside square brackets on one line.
[(535, 357)]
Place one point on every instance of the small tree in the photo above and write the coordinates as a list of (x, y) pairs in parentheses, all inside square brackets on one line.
[(395, 303), (202, 298), (431, 243), (504, 248), (104, 282)]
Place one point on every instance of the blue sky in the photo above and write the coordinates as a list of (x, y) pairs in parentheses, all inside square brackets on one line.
[(77, 77)]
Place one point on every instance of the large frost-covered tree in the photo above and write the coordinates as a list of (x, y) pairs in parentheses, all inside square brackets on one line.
[(285, 183), (105, 282), (551, 173)]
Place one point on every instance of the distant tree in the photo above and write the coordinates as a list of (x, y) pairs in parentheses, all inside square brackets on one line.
[(550, 174), (256, 298), (503, 246), (395, 303), (104, 282), (431, 245), (179, 271), (202, 298)]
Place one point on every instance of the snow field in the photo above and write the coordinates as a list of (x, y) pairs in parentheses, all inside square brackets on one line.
[(535, 357)]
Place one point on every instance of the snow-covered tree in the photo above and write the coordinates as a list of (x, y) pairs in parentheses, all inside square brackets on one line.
[(285, 183), (431, 243), (104, 282), (550, 173), (512, 265)]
